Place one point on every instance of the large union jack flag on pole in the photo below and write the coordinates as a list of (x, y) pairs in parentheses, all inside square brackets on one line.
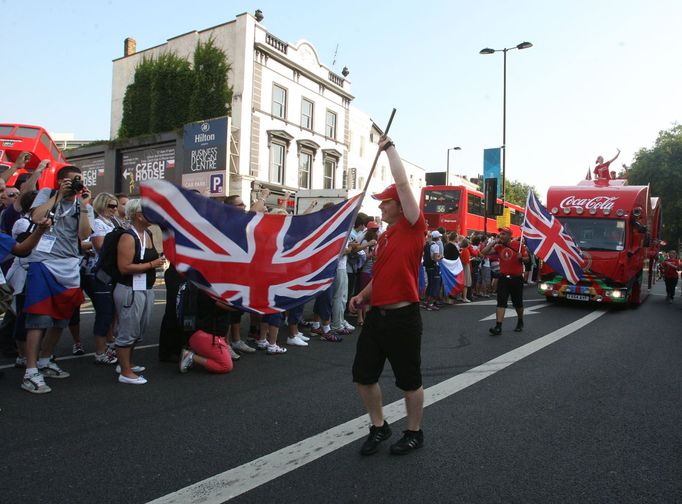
[(547, 239), (259, 262)]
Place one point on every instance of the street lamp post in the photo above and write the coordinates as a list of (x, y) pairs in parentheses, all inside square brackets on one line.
[(487, 50), (447, 165)]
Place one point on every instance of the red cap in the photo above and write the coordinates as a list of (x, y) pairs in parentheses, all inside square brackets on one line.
[(372, 225), (505, 229), (390, 193)]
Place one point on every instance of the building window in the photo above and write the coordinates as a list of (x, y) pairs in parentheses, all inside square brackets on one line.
[(344, 183), (329, 173), (305, 164), (277, 151), (279, 101), (330, 130), (307, 108)]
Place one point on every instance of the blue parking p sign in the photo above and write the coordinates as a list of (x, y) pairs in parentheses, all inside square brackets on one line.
[(217, 182)]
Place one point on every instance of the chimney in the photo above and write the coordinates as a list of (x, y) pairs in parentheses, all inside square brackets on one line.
[(129, 46)]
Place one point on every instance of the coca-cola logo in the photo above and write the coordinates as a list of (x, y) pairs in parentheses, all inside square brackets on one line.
[(598, 202)]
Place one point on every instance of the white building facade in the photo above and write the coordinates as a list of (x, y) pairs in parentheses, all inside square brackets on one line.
[(293, 127)]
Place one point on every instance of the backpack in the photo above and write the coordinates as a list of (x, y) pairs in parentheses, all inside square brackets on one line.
[(106, 268), (428, 262)]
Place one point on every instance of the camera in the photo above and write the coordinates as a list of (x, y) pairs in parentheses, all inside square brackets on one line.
[(77, 184)]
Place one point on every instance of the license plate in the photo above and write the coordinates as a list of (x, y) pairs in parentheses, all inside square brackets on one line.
[(577, 297)]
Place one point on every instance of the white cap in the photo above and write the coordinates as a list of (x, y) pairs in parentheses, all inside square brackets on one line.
[(436, 234)]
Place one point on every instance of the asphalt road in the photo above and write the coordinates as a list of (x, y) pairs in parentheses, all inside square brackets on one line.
[(591, 417)]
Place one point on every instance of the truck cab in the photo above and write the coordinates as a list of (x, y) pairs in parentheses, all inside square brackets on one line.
[(616, 226)]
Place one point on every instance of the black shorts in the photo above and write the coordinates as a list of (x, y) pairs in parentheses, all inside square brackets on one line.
[(510, 286), (395, 335)]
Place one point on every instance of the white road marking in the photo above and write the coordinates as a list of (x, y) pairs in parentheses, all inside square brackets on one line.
[(234, 482), (493, 302), (510, 312)]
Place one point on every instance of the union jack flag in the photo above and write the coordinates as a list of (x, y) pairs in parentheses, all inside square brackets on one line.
[(547, 239), (263, 263)]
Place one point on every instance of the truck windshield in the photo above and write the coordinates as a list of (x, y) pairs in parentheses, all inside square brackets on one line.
[(441, 201), (596, 234)]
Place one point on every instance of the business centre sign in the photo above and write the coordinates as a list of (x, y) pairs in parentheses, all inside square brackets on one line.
[(206, 156)]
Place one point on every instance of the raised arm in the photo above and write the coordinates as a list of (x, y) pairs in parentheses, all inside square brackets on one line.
[(32, 181), (407, 200), (19, 164), (616, 156)]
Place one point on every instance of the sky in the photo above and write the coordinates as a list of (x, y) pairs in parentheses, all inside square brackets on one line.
[(601, 74)]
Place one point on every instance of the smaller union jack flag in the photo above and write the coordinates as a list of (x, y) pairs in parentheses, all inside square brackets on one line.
[(547, 239), (263, 263)]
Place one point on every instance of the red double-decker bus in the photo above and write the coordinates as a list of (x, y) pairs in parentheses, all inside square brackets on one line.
[(460, 209), (16, 138)]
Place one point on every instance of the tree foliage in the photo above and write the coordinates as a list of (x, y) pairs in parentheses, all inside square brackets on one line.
[(137, 101), (211, 95), (168, 91), (517, 192), (661, 167), (172, 83)]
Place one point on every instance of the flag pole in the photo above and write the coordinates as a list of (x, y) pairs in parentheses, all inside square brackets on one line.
[(376, 158)]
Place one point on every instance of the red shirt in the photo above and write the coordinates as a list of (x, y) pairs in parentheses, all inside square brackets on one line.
[(465, 255), (602, 170), (395, 274), (509, 258), (670, 268)]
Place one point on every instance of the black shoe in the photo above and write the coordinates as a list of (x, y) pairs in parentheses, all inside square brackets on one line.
[(411, 440), (376, 436), (496, 331), (519, 327)]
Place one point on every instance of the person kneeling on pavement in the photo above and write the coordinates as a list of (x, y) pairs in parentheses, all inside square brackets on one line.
[(206, 317)]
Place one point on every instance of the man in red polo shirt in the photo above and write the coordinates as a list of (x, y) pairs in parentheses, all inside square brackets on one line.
[(393, 326), (512, 255)]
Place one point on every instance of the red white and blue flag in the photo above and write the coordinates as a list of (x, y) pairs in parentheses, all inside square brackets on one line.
[(259, 262), (53, 288), (452, 274), (547, 239)]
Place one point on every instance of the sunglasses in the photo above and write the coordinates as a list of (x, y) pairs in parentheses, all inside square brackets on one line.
[(112, 206)]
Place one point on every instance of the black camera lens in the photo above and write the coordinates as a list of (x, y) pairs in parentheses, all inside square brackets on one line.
[(77, 184)]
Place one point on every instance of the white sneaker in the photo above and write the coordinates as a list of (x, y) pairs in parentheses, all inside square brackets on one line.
[(261, 344), (235, 356), (466, 300), (35, 384), (303, 337), (240, 346), (296, 341), (20, 362), (275, 350), (106, 358), (346, 325), (134, 369), (186, 360), (53, 371)]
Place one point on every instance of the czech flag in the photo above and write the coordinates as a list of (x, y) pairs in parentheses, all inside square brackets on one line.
[(452, 274), (53, 288)]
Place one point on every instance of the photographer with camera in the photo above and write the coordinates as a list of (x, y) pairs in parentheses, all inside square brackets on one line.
[(53, 281)]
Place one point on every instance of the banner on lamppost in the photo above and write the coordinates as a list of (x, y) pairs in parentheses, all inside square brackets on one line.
[(206, 155), (491, 166)]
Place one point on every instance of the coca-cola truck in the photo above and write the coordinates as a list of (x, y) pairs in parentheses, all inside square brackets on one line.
[(617, 227)]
